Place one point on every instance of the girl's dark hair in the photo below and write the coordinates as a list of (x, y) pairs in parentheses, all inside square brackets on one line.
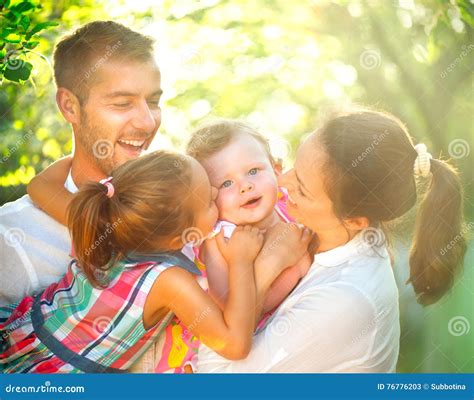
[(370, 173), (148, 207)]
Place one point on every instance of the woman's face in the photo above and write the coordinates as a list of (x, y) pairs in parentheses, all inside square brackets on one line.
[(308, 202)]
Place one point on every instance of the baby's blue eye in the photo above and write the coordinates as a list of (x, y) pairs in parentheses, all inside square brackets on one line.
[(253, 171), (226, 184)]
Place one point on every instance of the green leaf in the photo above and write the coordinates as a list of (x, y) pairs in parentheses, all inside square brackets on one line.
[(12, 38), (23, 7), (467, 12), (6, 31), (39, 27), (30, 45), (24, 22), (17, 70), (12, 17)]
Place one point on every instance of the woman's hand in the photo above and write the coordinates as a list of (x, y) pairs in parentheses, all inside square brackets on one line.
[(243, 247), (285, 245)]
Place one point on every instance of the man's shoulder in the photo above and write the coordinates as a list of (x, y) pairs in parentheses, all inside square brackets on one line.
[(19, 205), (24, 213)]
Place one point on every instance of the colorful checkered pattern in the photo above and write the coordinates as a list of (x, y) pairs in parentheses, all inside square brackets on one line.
[(75, 327)]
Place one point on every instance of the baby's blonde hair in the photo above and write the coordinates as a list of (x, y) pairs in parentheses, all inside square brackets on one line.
[(213, 137)]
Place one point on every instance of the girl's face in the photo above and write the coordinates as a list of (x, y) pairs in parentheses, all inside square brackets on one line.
[(202, 199), (308, 202), (246, 181)]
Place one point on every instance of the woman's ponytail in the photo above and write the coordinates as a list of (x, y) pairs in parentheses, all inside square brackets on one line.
[(438, 246), (89, 222)]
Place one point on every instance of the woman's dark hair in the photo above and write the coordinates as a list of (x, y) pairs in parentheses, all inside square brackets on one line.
[(370, 173), (140, 216)]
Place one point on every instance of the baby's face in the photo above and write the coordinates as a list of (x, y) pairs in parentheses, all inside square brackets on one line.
[(245, 179)]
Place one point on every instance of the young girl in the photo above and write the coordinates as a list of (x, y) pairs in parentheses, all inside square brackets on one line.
[(130, 276), (239, 164)]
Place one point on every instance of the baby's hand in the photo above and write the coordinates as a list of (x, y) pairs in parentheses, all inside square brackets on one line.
[(243, 246), (285, 244)]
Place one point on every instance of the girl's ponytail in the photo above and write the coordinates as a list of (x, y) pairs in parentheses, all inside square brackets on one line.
[(372, 164), (89, 222), (438, 246), (135, 212)]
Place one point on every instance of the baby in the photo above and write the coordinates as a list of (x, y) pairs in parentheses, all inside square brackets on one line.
[(239, 164)]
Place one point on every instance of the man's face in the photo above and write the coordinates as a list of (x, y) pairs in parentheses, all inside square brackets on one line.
[(121, 114)]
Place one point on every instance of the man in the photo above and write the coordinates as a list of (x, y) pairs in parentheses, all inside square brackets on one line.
[(108, 89)]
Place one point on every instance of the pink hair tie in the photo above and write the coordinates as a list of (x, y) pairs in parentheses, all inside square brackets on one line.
[(108, 184)]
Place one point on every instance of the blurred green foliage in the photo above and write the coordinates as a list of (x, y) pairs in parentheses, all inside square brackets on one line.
[(18, 37), (280, 65)]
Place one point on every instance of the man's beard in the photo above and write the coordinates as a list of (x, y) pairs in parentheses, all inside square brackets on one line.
[(97, 145)]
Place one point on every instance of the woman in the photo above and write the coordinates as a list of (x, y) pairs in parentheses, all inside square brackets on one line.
[(351, 177)]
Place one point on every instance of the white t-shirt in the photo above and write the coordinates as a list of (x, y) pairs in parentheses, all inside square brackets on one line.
[(34, 248), (342, 317)]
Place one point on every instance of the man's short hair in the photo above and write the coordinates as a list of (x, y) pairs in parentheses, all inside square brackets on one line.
[(77, 56)]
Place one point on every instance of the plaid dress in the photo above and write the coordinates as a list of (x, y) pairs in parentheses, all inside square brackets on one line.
[(75, 327)]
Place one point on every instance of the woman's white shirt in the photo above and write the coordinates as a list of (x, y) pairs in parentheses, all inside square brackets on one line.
[(342, 317)]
